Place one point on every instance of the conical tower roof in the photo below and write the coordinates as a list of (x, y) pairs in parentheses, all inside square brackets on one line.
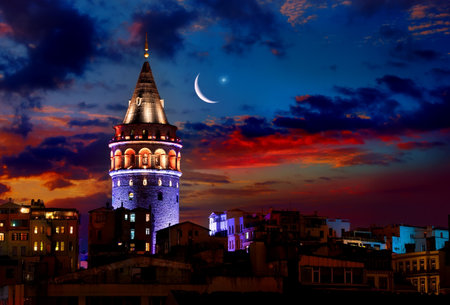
[(146, 105)]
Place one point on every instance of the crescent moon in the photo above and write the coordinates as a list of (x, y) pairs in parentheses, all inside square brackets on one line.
[(200, 94)]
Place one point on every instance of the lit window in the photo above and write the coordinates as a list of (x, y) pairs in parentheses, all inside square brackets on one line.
[(130, 195), (1, 224), (41, 248), (177, 184), (35, 247), (133, 217), (71, 230), (147, 231), (132, 233), (126, 216), (159, 182), (57, 246), (2, 236), (147, 247), (132, 247), (24, 210), (57, 230), (147, 217), (62, 246), (35, 230), (62, 230), (131, 182), (118, 182), (170, 183), (144, 182)]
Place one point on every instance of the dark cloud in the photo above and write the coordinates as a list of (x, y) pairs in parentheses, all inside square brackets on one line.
[(21, 124), (164, 24), (84, 105), (59, 41), (256, 127), (249, 23), (4, 188), (367, 8), (66, 156), (419, 145), (57, 183), (92, 122), (119, 107), (439, 72), (400, 85)]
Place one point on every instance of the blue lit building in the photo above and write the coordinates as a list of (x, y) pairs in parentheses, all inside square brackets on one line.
[(145, 156)]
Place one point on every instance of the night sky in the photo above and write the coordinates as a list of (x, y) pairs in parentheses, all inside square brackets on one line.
[(339, 107)]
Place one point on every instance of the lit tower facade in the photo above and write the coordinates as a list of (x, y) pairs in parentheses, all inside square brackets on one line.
[(145, 156)]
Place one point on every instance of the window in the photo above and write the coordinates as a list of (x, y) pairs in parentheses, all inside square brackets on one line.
[(41, 247), (132, 233), (144, 182), (159, 182), (160, 196), (1, 224), (57, 230), (118, 182), (147, 247), (35, 230), (2, 236), (62, 246), (71, 230), (147, 231), (35, 246), (147, 217), (131, 182), (170, 183), (130, 195), (62, 230), (177, 198), (57, 246), (132, 217), (126, 216)]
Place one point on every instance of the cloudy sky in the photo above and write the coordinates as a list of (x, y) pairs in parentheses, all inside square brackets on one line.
[(340, 107)]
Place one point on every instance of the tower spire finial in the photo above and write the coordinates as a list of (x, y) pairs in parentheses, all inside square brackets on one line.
[(146, 46)]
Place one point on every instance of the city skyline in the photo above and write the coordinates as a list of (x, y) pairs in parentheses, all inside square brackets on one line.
[(339, 107)]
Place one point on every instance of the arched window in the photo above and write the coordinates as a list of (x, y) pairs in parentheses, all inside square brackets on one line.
[(117, 159), (144, 158), (179, 162), (172, 160), (129, 158), (160, 159), (112, 161)]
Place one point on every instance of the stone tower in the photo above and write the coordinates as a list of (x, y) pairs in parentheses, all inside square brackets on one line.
[(145, 156)]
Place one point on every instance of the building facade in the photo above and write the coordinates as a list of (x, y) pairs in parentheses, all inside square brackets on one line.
[(116, 234), (145, 156)]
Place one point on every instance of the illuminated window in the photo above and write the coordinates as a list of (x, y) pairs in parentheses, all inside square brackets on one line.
[(131, 182), (35, 246), (35, 230), (57, 246), (126, 216), (41, 248), (62, 246), (147, 217), (147, 247), (71, 230), (132, 233), (159, 182), (118, 182), (132, 247), (57, 230), (1, 224), (177, 184), (132, 217), (170, 183), (144, 182), (2, 236), (130, 195), (147, 231), (62, 230)]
